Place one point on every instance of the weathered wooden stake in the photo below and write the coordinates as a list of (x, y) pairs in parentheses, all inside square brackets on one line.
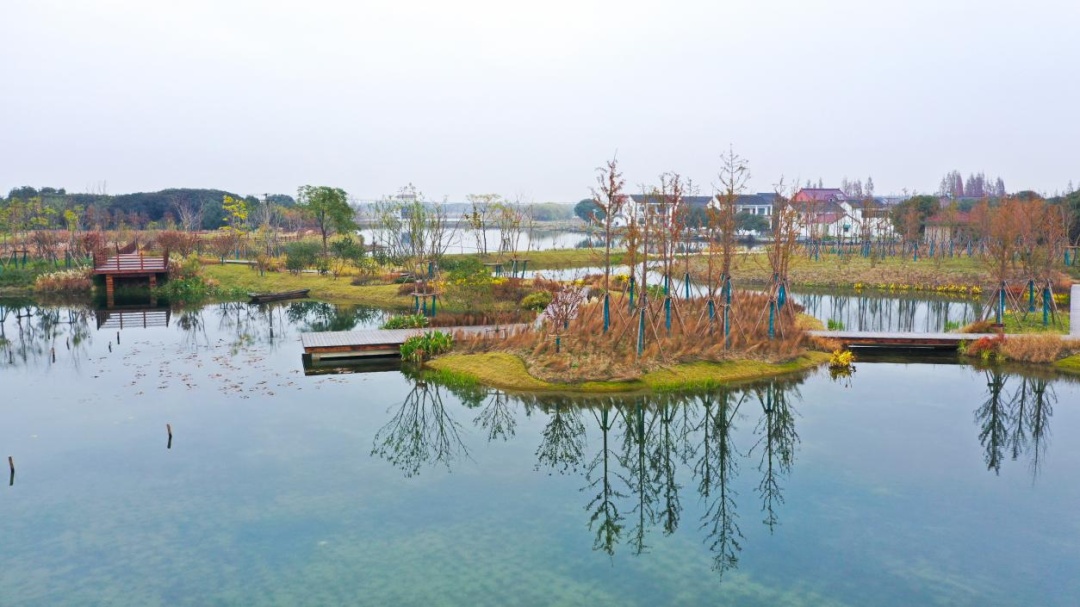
[(118, 338), (168, 428), (52, 352)]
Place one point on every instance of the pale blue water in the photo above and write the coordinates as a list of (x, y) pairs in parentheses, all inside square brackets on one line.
[(910, 484)]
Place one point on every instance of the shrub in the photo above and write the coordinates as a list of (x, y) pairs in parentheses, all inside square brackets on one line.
[(536, 301), (301, 255), (409, 321), (178, 243), (841, 359), (65, 281), (423, 347), (185, 268), (986, 348)]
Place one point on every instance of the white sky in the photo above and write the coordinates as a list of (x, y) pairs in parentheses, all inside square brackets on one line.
[(526, 99)]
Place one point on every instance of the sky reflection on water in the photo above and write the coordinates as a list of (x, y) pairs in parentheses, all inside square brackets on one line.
[(910, 484)]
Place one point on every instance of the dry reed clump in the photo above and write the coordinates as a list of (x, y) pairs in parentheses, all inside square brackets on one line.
[(64, 281), (826, 344), (1041, 348), (586, 353), (468, 319), (979, 326)]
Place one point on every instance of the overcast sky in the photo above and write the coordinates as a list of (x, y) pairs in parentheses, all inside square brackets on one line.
[(526, 99)]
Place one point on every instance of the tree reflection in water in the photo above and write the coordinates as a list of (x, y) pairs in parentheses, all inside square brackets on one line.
[(317, 316), (420, 433), (497, 417), (646, 447), (563, 446), (1017, 423), (604, 518), (715, 470), (777, 444), (32, 334)]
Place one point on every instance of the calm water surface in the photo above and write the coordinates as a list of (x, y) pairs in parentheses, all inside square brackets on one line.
[(907, 484)]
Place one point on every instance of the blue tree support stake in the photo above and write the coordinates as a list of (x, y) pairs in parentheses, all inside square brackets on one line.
[(641, 333), (607, 311), (1047, 298)]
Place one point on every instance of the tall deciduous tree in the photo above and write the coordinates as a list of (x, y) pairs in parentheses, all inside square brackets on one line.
[(328, 208), (606, 205)]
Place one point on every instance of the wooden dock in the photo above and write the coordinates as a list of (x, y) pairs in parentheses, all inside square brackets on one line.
[(130, 266), (873, 339), (369, 343)]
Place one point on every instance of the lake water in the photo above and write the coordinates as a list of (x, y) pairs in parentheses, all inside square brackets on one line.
[(461, 240), (906, 484)]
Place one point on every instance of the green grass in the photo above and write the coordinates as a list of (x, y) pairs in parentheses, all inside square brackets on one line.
[(562, 258), (508, 372), (323, 287), (1070, 364), (831, 270), (1014, 323)]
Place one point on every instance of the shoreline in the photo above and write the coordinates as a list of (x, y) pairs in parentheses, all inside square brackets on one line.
[(508, 372)]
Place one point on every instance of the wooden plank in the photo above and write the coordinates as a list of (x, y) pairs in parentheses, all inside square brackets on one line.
[(900, 340), (341, 341)]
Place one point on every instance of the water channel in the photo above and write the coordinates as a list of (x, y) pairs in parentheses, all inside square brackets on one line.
[(906, 484)]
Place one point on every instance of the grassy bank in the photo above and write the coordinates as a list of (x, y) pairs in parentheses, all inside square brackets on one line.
[(891, 273), (1069, 365), (560, 259), (508, 372), (322, 286)]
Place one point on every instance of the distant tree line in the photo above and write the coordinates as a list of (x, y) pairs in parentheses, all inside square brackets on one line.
[(184, 208)]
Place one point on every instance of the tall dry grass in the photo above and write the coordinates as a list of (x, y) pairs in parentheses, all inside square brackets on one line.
[(1039, 348), (586, 353)]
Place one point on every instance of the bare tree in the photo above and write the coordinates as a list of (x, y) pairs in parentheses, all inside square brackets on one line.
[(479, 218), (609, 197), (188, 211)]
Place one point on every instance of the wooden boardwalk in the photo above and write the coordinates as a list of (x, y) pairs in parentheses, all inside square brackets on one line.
[(901, 340), (382, 342), (130, 266)]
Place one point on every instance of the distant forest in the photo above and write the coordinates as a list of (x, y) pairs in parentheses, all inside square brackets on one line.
[(182, 208), (185, 208)]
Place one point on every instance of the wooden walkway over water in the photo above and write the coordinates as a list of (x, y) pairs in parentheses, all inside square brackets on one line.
[(367, 343), (884, 339), (134, 266)]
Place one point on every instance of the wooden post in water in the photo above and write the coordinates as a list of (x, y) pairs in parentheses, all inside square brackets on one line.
[(11, 465), (168, 428)]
